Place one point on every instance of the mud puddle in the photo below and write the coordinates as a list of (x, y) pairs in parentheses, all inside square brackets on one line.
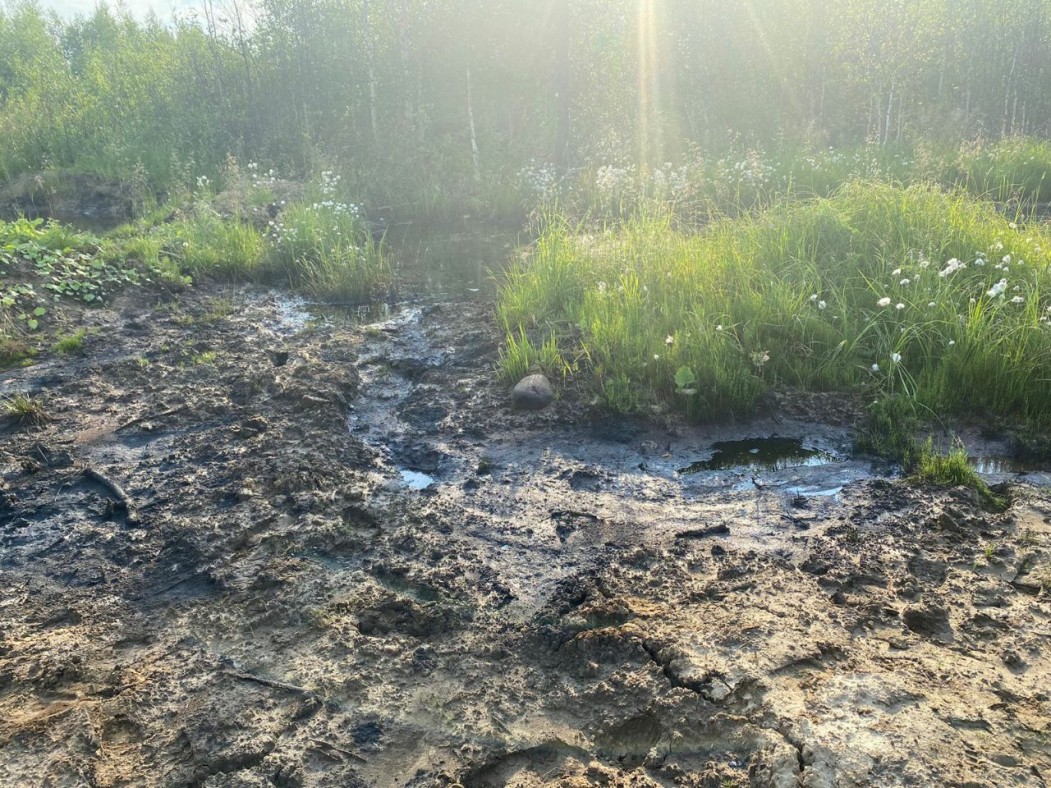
[(350, 563), (761, 454)]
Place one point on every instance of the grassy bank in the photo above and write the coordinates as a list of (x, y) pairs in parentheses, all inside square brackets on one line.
[(319, 248), (894, 290)]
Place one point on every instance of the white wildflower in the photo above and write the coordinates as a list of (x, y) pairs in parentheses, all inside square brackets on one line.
[(899, 307), (883, 302), (997, 289), (821, 305), (895, 357)]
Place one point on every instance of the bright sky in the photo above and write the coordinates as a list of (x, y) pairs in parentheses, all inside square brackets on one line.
[(139, 8)]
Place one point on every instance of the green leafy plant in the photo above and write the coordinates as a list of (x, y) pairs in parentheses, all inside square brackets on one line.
[(685, 381)]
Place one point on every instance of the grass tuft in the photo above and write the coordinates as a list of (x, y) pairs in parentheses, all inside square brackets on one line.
[(954, 469), (25, 409), (70, 343), (521, 357)]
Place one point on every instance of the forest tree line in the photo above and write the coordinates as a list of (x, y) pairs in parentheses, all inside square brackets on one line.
[(405, 96)]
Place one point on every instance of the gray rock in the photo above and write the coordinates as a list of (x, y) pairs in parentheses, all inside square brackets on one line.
[(532, 392)]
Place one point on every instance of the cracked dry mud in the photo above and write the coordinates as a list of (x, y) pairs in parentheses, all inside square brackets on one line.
[(350, 563)]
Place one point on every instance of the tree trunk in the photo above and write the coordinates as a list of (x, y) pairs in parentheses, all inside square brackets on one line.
[(370, 53), (562, 82), (475, 158)]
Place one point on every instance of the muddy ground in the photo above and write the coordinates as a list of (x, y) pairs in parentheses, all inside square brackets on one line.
[(340, 559)]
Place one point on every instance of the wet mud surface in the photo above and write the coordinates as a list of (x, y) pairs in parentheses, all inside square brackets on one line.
[(258, 548)]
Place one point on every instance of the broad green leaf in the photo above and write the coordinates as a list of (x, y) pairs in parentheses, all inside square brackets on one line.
[(684, 377)]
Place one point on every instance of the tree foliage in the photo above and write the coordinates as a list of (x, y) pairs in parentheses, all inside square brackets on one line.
[(399, 93)]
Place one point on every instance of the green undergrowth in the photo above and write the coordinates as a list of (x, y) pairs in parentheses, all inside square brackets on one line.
[(703, 184), (317, 245), (322, 249), (325, 250), (889, 430), (43, 264), (912, 291), (953, 469), (14, 350)]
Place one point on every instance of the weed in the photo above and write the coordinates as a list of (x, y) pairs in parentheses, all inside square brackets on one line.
[(13, 349), (216, 309), (954, 469), (207, 357), (70, 343), (25, 409), (521, 357), (946, 470)]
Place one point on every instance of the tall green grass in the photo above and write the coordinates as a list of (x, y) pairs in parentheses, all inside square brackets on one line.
[(324, 249), (207, 245), (888, 288), (1015, 171)]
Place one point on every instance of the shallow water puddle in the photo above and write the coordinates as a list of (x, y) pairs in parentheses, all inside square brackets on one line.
[(806, 492), (415, 480), (997, 465), (767, 454), (295, 314)]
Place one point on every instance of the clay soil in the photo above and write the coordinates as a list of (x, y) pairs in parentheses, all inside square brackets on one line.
[(252, 549)]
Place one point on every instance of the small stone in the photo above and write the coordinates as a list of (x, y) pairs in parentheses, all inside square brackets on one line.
[(532, 392)]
